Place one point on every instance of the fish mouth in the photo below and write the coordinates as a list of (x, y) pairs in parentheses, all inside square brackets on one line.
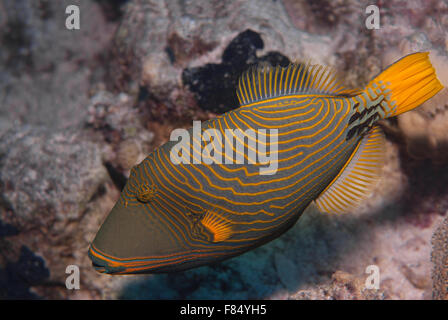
[(104, 263), (99, 268), (101, 265)]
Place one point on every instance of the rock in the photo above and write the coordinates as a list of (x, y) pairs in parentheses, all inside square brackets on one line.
[(17, 278), (49, 175), (48, 69), (121, 130), (129, 154), (48, 181), (418, 281), (343, 286)]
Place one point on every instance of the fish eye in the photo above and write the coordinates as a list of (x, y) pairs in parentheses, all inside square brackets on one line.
[(146, 192)]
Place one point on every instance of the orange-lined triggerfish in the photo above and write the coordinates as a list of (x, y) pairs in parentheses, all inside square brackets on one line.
[(176, 216)]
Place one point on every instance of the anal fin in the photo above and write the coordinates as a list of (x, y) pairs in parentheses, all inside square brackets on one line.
[(359, 176)]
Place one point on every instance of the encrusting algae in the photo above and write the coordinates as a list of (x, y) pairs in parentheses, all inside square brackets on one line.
[(439, 257)]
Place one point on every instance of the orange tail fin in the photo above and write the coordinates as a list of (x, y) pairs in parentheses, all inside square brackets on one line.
[(406, 83)]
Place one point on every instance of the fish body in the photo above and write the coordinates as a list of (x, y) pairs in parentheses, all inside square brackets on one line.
[(172, 216)]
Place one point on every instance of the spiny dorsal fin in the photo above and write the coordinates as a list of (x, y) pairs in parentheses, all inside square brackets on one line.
[(217, 225), (264, 81), (357, 179)]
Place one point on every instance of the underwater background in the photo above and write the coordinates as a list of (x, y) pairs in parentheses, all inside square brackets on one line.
[(80, 107)]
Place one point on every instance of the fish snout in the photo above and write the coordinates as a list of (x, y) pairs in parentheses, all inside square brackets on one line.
[(132, 240)]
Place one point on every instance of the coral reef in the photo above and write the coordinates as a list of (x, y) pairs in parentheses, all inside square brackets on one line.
[(80, 108), (51, 175), (47, 70), (18, 277), (343, 286), (48, 180)]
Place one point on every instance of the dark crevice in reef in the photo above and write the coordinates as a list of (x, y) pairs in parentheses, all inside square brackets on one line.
[(143, 94), (426, 192), (325, 12), (214, 85), (117, 177), (45, 10), (16, 278), (112, 9), (7, 230), (16, 42)]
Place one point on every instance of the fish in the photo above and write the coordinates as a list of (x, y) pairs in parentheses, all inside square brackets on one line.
[(328, 149)]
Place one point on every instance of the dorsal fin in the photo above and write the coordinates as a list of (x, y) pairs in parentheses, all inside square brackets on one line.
[(217, 226), (357, 179), (264, 81)]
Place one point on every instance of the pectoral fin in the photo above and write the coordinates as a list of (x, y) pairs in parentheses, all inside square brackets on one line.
[(357, 179), (217, 225)]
